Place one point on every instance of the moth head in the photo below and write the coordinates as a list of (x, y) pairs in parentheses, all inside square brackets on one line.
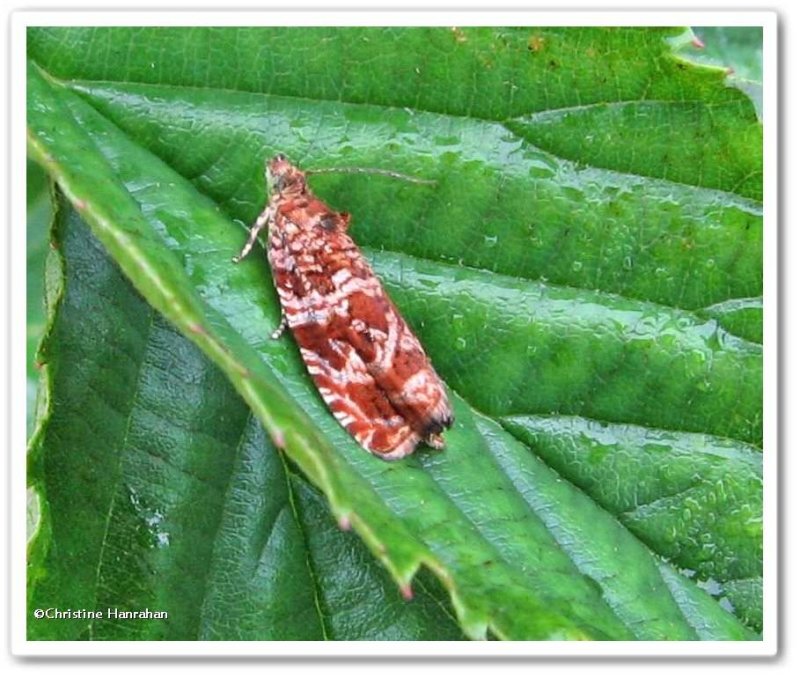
[(283, 177)]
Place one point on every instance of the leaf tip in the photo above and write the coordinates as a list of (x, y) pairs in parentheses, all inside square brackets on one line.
[(278, 439), (406, 591), (698, 43), (197, 328)]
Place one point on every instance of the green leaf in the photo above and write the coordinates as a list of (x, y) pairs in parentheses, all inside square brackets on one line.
[(738, 48), (178, 500), (693, 498), (39, 214), (542, 274)]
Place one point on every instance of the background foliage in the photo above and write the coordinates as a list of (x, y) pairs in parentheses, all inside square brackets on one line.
[(586, 275)]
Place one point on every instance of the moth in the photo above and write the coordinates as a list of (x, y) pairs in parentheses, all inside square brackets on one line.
[(366, 363)]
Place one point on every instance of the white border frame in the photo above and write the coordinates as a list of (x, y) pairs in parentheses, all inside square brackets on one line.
[(20, 21)]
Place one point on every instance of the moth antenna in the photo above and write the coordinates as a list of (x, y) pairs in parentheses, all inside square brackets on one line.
[(373, 170)]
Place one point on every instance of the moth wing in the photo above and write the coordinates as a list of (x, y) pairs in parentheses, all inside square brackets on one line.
[(423, 396), (357, 402), (395, 359)]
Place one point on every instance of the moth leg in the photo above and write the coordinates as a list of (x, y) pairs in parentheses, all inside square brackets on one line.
[(263, 219), (435, 441), (281, 328)]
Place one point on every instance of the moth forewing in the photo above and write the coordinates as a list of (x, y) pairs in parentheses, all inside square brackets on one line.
[(365, 361)]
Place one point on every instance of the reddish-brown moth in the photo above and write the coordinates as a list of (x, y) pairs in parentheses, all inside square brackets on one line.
[(367, 364)]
